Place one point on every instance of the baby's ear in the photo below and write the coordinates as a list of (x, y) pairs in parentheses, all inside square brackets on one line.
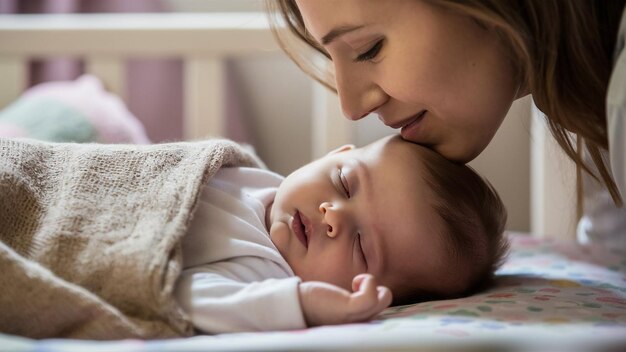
[(343, 148)]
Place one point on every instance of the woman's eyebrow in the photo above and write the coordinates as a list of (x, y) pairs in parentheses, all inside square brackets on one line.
[(338, 32)]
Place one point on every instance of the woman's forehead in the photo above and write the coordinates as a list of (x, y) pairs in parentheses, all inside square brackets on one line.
[(322, 16)]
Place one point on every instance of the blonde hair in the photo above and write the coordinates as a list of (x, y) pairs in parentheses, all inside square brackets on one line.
[(553, 43)]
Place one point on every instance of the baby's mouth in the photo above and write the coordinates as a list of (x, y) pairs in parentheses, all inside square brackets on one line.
[(299, 229)]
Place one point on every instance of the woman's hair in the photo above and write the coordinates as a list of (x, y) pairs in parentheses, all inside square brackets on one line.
[(553, 43)]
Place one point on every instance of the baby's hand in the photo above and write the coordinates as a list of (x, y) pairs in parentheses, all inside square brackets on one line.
[(326, 304)]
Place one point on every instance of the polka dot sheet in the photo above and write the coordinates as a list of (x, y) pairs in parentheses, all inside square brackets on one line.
[(548, 296), (542, 283)]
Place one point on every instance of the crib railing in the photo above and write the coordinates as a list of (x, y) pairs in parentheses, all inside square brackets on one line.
[(202, 41)]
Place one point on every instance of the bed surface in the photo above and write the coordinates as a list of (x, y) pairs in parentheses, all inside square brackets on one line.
[(549, 294)]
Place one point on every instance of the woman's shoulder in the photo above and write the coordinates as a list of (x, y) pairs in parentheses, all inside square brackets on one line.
[(616, 110), (616, 95), (621, 38)]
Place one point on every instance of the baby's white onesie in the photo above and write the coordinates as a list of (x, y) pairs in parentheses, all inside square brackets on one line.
[(233, 278)]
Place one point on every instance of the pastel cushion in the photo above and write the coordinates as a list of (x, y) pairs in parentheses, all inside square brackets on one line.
[(75, 111)]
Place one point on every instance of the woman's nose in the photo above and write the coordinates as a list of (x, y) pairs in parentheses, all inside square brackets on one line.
[(332, 218), (358, 94)]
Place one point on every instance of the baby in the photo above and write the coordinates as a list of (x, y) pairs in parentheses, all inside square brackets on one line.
[(336, 239)]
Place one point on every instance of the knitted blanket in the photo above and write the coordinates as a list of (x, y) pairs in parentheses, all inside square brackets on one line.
[(90, 235)]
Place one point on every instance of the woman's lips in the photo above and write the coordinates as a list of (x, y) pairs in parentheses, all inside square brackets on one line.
[(410, 129), (299, 229), (407, 121)]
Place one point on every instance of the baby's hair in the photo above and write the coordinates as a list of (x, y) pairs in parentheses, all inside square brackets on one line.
[(473, 218)]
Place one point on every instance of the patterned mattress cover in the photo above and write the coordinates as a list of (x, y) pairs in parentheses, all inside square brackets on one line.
[(549, 295)]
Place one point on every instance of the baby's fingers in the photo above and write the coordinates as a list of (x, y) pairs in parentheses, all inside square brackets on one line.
[(358, 280), (384, 297), (369, 300)]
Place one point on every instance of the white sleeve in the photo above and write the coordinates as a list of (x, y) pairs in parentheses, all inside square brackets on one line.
[(218, 301)]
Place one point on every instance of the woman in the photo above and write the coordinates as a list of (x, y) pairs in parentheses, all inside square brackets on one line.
[(446, 72)]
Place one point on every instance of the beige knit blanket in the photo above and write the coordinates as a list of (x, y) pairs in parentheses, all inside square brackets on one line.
[(89, 235)]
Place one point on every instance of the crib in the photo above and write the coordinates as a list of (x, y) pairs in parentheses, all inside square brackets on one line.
[(203, 41), (548, 301)]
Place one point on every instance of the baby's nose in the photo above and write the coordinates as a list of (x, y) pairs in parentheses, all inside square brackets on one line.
[(329, 219), (330, 233)]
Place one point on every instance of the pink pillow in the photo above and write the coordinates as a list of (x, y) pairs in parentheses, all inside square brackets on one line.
[(79, 111)]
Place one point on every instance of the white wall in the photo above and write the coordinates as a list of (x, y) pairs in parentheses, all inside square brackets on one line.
[(277, 99), (553, 184), (506, 164)]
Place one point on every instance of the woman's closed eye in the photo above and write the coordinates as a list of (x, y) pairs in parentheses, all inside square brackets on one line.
[(371, 53)]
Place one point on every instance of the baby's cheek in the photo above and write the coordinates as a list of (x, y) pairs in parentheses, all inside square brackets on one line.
[(343, 280), (279, 235), (332, 270)]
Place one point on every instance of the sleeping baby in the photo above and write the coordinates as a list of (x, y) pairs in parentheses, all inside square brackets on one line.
[(338, 240)]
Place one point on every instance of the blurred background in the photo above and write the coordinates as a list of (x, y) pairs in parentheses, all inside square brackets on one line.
[(268, 100)]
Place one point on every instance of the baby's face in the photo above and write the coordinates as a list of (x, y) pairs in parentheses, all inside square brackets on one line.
[(360, 210)]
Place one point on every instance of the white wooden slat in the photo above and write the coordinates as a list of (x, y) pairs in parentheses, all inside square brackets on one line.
[(112, 73), (161, 35), (204, 102), (14, 76), (553, 184), (330, 129)]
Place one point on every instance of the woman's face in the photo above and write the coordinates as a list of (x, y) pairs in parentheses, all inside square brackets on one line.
[(443, 79)]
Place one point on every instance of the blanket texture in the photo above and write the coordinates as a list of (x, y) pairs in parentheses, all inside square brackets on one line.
[(90, 235)]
